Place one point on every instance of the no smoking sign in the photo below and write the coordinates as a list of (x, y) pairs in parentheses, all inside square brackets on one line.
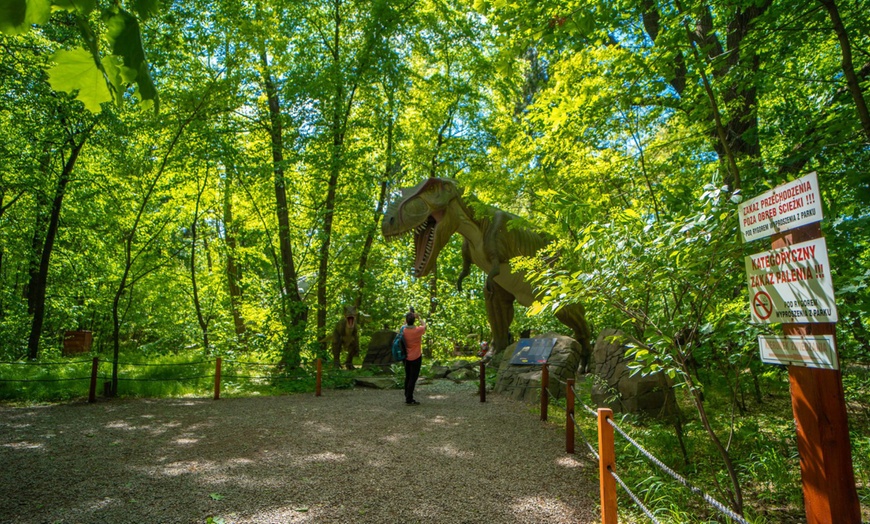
[(762, 305)]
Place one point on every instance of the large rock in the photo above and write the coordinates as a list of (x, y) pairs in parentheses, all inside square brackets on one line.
[(523, 382), (616, 388), (463, 374), (379, 353), (457, 370)]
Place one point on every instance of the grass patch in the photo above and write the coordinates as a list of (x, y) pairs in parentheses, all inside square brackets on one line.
[(168, 376)]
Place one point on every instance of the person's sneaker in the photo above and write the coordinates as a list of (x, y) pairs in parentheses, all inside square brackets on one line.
[(412, 403)]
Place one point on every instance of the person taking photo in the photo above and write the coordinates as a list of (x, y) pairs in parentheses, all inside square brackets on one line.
[(413, 336)]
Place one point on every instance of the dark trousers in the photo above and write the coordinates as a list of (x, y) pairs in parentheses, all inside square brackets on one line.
[(412, 373)]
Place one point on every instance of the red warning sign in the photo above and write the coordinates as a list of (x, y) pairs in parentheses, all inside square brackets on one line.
[(791, 284)]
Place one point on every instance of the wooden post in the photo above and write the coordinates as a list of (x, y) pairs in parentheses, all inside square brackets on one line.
[(606, 464), (482, 381), (545, 396), (819, 407), (569, 416), (92, 392), (217, 379), (318, 380)]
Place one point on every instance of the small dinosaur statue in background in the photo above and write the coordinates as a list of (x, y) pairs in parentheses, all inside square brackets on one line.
[(434, 210), (345, 335)]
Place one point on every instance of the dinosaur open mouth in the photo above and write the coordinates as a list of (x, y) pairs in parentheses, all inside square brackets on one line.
[(424, 242), (350, 321)]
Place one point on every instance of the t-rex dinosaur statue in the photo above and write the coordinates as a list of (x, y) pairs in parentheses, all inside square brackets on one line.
[(346, 335), (434, 209)]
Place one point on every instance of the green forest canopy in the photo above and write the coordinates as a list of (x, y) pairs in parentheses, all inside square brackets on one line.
[(242, 212)]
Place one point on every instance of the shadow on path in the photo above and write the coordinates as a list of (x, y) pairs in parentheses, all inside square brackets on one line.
[(349, 456)]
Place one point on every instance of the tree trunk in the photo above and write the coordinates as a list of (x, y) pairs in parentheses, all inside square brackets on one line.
[(323, 265), (2, 295), (126, 284), (232, 269), (848, 69), (382, 197), (294, 310), (38, 284), (2, 209), (340, 113), (203, 323), (736, 493), (433, 306), (116, 322), (37, 242)]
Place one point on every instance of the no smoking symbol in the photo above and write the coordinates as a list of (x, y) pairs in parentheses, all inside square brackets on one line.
[(762, 305)]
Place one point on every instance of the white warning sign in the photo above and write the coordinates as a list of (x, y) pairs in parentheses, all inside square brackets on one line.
[(814, 351), (784, 207), (791, 284)]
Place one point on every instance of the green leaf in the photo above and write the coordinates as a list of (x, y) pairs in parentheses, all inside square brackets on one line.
[(75, 70), (146, 8), (83, 7), (118, 74), (16, 16), (126, 40), (535, 309), (216, 496)]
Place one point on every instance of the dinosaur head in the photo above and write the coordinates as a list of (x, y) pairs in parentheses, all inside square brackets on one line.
[(350, 315), (428, 211)]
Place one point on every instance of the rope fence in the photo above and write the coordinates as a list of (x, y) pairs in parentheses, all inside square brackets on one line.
[(33, 363), (605, 454), (216, 375)]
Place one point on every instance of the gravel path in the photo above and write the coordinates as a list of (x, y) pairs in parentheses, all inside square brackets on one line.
[(349, 456)]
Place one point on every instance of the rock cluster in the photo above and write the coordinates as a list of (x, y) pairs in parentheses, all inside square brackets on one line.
[(457, 371), (615, 386), (378, 353), (523, 382)]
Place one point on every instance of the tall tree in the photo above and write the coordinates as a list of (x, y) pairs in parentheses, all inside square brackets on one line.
[(39, 279), (852, 81), (202, 318), (295, 310), (352, 53), (233, 270)]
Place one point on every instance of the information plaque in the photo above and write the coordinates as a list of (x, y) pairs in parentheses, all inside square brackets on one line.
[(533, 351)]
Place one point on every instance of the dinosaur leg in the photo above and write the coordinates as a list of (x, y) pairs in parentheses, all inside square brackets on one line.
[(500, 312), (574, 316), (466, 264), (336, 356), (336, 348), (491, 242), (352, 351)]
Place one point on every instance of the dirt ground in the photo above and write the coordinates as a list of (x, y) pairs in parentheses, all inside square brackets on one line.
[(348, 456)]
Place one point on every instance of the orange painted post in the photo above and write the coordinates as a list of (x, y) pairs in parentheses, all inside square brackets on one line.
[(319, 379), (819, 407), (569, 416), (217, 379), (545, 396), (482, 381), (606, 464), (92, 393)]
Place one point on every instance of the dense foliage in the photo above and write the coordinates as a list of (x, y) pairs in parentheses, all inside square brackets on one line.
[(240, 214)]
